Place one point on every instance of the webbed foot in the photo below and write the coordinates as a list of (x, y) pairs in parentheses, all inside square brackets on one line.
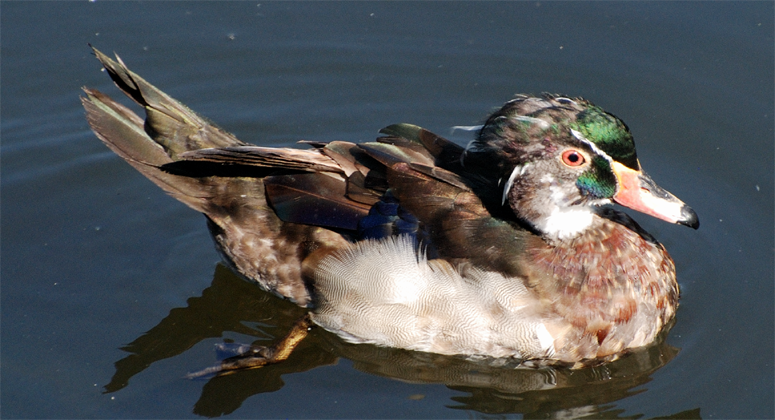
[(253, 357)]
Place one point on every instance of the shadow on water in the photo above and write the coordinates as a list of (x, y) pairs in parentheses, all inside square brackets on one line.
[(232, 305)]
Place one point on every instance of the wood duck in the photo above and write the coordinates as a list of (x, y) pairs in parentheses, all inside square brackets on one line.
[(501, 249)]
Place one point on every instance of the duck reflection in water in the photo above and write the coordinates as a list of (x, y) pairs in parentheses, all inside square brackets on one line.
[(234, 308)]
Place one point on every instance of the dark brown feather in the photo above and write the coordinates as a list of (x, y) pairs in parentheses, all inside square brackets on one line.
[(314, 199), (269, 157)]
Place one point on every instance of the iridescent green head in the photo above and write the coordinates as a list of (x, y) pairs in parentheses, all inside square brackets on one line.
[(608, 133)]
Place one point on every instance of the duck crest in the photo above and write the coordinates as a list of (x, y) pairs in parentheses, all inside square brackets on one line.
[(500, 249), (523, 125)]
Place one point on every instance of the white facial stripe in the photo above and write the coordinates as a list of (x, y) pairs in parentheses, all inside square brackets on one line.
[(466, 128), (537, 121), (564, 99), (518, 171), (594, 148)]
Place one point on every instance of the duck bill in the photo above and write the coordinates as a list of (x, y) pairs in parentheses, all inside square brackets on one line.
[(639, 192)]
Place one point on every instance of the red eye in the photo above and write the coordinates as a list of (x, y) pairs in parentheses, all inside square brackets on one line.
[(572, 158)]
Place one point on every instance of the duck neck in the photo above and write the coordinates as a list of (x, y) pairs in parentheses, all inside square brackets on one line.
[(558, 214)]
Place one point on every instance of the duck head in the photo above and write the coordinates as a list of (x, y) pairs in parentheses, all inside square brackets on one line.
[(557, 159)]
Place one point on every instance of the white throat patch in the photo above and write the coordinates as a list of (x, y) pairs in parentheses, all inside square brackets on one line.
[(563, 221), (566, 223)]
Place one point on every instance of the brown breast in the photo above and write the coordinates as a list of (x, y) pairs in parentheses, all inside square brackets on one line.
[(606, 281)]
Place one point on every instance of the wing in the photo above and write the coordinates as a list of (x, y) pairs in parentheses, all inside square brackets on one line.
[(426, 179)]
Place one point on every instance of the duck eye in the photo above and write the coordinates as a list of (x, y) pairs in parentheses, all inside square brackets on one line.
[(572, 158)]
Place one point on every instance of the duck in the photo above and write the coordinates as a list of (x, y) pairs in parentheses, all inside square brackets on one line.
[(507, 248)]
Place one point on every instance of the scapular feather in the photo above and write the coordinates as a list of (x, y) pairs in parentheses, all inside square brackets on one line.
[(314, 199)]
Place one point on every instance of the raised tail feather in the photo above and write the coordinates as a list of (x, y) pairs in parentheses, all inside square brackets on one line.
[(249, 234), (170, 129), (168, 122)]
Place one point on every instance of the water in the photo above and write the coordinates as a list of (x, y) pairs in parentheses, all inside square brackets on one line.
[(112, 291)]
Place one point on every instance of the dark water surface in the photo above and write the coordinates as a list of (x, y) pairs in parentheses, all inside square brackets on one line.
[(112, 291)]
